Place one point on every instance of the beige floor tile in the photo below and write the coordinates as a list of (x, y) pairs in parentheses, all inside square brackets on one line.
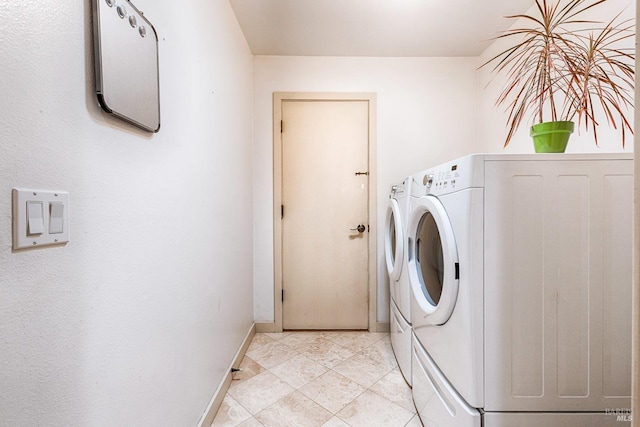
[(363, 370), (295, 410), (298, 371), (381, 352), (394, 388), (335, 422), (357, 341), (333, 391), (230, 414), (370, 409), (415, 422), (277, 335), (249, 368), (327, 353), (271, 354), (259, 392), (343, 379), (251, 422), (259, 340), (300, 341)]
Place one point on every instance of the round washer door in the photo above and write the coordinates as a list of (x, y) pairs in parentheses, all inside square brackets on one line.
[(393, 241), (433, 260)]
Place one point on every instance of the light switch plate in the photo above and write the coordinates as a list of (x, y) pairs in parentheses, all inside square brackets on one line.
[(23, 197)]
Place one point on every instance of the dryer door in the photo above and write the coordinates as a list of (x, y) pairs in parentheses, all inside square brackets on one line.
[(433, 260), (393, 241)]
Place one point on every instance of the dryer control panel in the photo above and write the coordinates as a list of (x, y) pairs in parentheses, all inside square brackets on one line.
[(446, 178), (465, 172)]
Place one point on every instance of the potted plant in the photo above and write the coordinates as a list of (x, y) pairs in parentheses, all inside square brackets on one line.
[(563, 68)]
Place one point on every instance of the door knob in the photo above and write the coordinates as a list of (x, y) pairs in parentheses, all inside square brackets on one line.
[(360, 228)]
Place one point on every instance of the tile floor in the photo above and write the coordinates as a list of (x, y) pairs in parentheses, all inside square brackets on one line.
[(328, 379)]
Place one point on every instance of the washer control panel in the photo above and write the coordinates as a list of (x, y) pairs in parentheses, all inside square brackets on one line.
[(464, 172), (444, 179), (441, 180)]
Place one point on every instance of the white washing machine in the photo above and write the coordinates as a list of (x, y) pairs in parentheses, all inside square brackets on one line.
[(520, 269), (395, 242)]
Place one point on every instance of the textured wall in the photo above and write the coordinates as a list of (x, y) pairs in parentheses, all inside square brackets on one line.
[(137, 319)]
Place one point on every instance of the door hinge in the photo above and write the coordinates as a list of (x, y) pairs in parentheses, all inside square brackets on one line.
[(281, 211), (282, 296), (281, 126)]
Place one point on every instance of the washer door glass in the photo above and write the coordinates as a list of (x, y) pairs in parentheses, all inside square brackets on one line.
[(393, 241), (433, 260), (430, 259)]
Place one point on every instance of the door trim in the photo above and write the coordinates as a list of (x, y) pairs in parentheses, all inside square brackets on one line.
[(278, 99)]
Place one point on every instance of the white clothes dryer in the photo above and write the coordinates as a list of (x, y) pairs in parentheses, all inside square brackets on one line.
[(394, 241), (520, 272), (396, 260), (395, 246)]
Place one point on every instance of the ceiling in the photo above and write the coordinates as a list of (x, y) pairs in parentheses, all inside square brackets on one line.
[(373, 27)]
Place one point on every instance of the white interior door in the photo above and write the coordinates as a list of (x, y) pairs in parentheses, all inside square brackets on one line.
[(325, 199)]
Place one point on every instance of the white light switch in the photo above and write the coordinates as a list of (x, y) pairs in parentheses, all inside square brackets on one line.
[(40, 218), (35, 218), (56, 217)]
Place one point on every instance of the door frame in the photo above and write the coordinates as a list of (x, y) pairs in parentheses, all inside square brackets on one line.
[(278, 99)]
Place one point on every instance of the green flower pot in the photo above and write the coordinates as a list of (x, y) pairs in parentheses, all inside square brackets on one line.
[(551, 137)]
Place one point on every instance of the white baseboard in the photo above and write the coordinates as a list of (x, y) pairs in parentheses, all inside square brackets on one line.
[(382, 327), (265, 328), (212, 409)]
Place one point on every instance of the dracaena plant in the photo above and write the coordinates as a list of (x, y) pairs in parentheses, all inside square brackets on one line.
[(565, 67)]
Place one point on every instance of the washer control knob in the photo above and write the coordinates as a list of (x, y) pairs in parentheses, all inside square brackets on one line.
[(428, 180)]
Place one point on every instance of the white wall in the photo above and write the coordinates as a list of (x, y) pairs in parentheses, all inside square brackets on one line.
[(426, 115), (493, 120), (136, 320)]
